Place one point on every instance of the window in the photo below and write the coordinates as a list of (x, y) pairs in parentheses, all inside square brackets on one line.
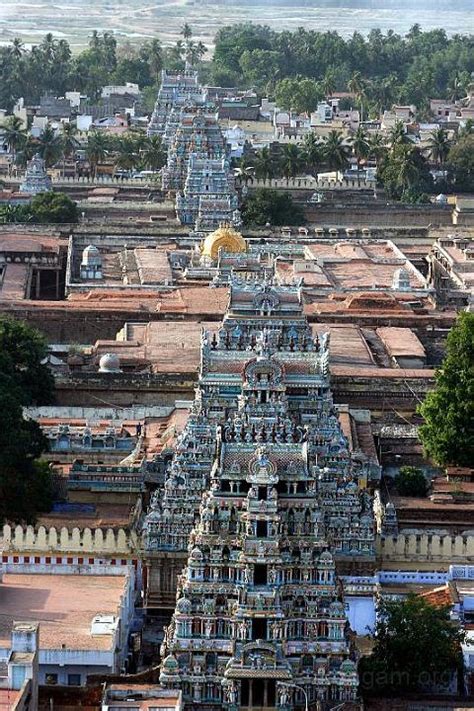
[(73, 679), (259, 628), (69, 561), (261, 529), (260, 574), (51, 679)]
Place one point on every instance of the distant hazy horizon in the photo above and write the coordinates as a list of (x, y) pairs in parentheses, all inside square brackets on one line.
[(138, 20)]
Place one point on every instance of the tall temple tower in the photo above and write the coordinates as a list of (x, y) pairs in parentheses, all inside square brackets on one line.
[(258, 620), (198, 168)]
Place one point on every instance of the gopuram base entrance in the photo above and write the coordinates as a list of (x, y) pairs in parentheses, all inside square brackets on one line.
[(258, 694)]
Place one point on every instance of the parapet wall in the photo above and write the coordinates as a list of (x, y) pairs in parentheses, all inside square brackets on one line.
[(425, 549), (21, 539), (421, 549)]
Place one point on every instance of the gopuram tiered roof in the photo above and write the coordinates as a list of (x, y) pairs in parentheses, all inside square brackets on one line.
[(198, 163), (275, 506)]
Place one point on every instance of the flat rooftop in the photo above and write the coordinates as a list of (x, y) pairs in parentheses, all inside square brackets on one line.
[(64, 605)]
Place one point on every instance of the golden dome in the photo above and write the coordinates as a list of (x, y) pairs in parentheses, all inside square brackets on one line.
[(225, 237)]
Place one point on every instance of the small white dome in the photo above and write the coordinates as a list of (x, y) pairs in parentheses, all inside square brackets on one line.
[(109, 363), (91, 256)]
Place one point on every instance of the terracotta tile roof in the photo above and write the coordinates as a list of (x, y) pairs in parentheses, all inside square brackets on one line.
[(401, 342), (439, 597), (15, 280)]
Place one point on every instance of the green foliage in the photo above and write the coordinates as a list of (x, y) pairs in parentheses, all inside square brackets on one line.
[(448, 411), (273, 207), (298, 94), (10, 214), (461, 163), (51, 67), (53, 207), (404, 172), (410, 481), (416, 644), (22, 349), (50, 207), (381, 69), (25, 483)]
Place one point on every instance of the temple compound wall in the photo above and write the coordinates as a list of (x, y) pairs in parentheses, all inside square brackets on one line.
[(424, 550), (104, 542)]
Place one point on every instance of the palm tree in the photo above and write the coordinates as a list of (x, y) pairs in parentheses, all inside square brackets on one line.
[(312, 152), (407, 170), (155, 58), (356, 85), (127, 154), (152, 154), (69, 142), (14, 134), (97, 149), (49, 146), (291, 161), (360, 147), (244, 174), (397, 135), (265, 167), (377, 147), (17, 48), (328, 84), (439, 145), (335, 151), (26, 151), (186, 31)]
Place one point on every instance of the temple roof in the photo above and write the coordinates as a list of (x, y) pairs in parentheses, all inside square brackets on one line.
[(226, 238)]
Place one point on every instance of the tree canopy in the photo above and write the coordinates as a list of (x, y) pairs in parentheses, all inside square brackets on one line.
[(448, 411), (410, 481), (380, 69), (270, 206), (417, 645), (25, 481), (49, 207)]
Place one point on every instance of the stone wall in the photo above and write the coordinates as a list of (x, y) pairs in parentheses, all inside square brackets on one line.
[(425, 550), (106, 542), (378, 213)]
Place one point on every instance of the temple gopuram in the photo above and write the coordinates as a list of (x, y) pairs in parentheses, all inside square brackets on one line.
[(265, 506), (197, 171)]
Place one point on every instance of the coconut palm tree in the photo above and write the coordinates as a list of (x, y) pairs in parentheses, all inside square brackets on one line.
[(152, 154), (360, 147), (14, 134), (356, 85), (265, 166), (335, 151), (26, 151), (407, 169), (312, 152), (397, 135), (16, 48), (291, 160), (155, 58), (49, 145), (377, 147), (97, 149), (69, 142), (328, 84), (439, 145), (127, 155)]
